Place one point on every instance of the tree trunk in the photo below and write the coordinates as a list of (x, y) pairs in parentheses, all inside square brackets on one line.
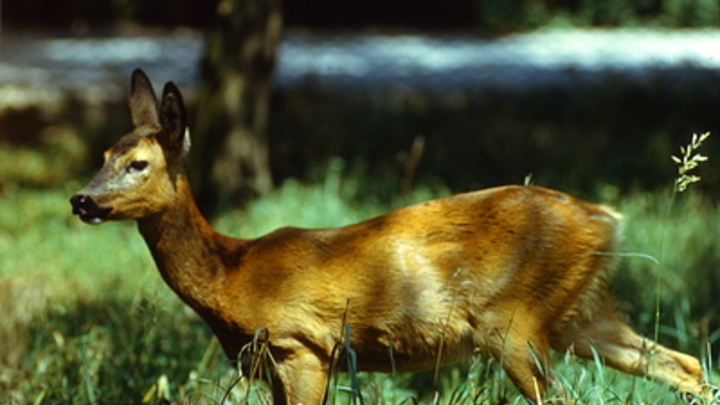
[(231, 159)]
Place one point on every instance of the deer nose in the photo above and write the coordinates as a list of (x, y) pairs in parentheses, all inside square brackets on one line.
[(83, 204), (88, 209)]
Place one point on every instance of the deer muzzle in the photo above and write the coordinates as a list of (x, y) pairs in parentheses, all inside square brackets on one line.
[(88, 210)]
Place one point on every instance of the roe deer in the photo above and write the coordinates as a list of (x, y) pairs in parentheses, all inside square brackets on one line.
[(509, 272)]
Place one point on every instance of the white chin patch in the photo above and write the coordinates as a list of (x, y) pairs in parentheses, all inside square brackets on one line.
[(93, 220)]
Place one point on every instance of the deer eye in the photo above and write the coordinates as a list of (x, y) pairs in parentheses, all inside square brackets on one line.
[(137, 166)]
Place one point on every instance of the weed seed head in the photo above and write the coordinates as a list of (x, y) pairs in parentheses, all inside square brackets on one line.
[(689, 161)]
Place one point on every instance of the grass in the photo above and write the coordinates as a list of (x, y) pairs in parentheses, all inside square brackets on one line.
[(87, 318)]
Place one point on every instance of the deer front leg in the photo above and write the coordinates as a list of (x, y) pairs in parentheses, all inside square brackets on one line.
[(522, 351), (300, 378)]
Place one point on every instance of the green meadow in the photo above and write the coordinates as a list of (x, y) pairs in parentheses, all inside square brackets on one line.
[(86, 319)]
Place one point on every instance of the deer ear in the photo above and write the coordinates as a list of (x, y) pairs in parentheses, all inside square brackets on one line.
[(142, 100), (173, 118)]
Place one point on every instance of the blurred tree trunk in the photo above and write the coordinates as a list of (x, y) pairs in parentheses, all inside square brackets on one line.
[(231, 161)]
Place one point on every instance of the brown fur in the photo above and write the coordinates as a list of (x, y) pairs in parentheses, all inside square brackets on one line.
[(510, 271)]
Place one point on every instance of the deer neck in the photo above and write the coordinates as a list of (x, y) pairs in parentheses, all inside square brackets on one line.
[(185, 249)]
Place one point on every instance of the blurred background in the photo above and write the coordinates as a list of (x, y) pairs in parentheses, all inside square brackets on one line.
[(576, 92), (345, 109)]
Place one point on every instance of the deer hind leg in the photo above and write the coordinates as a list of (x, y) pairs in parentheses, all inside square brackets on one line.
[(623, 349)]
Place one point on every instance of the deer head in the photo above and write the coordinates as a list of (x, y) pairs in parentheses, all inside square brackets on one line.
[(138, 177)]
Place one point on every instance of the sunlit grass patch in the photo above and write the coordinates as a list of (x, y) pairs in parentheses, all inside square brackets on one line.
[(41, 241), (334, 202)]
